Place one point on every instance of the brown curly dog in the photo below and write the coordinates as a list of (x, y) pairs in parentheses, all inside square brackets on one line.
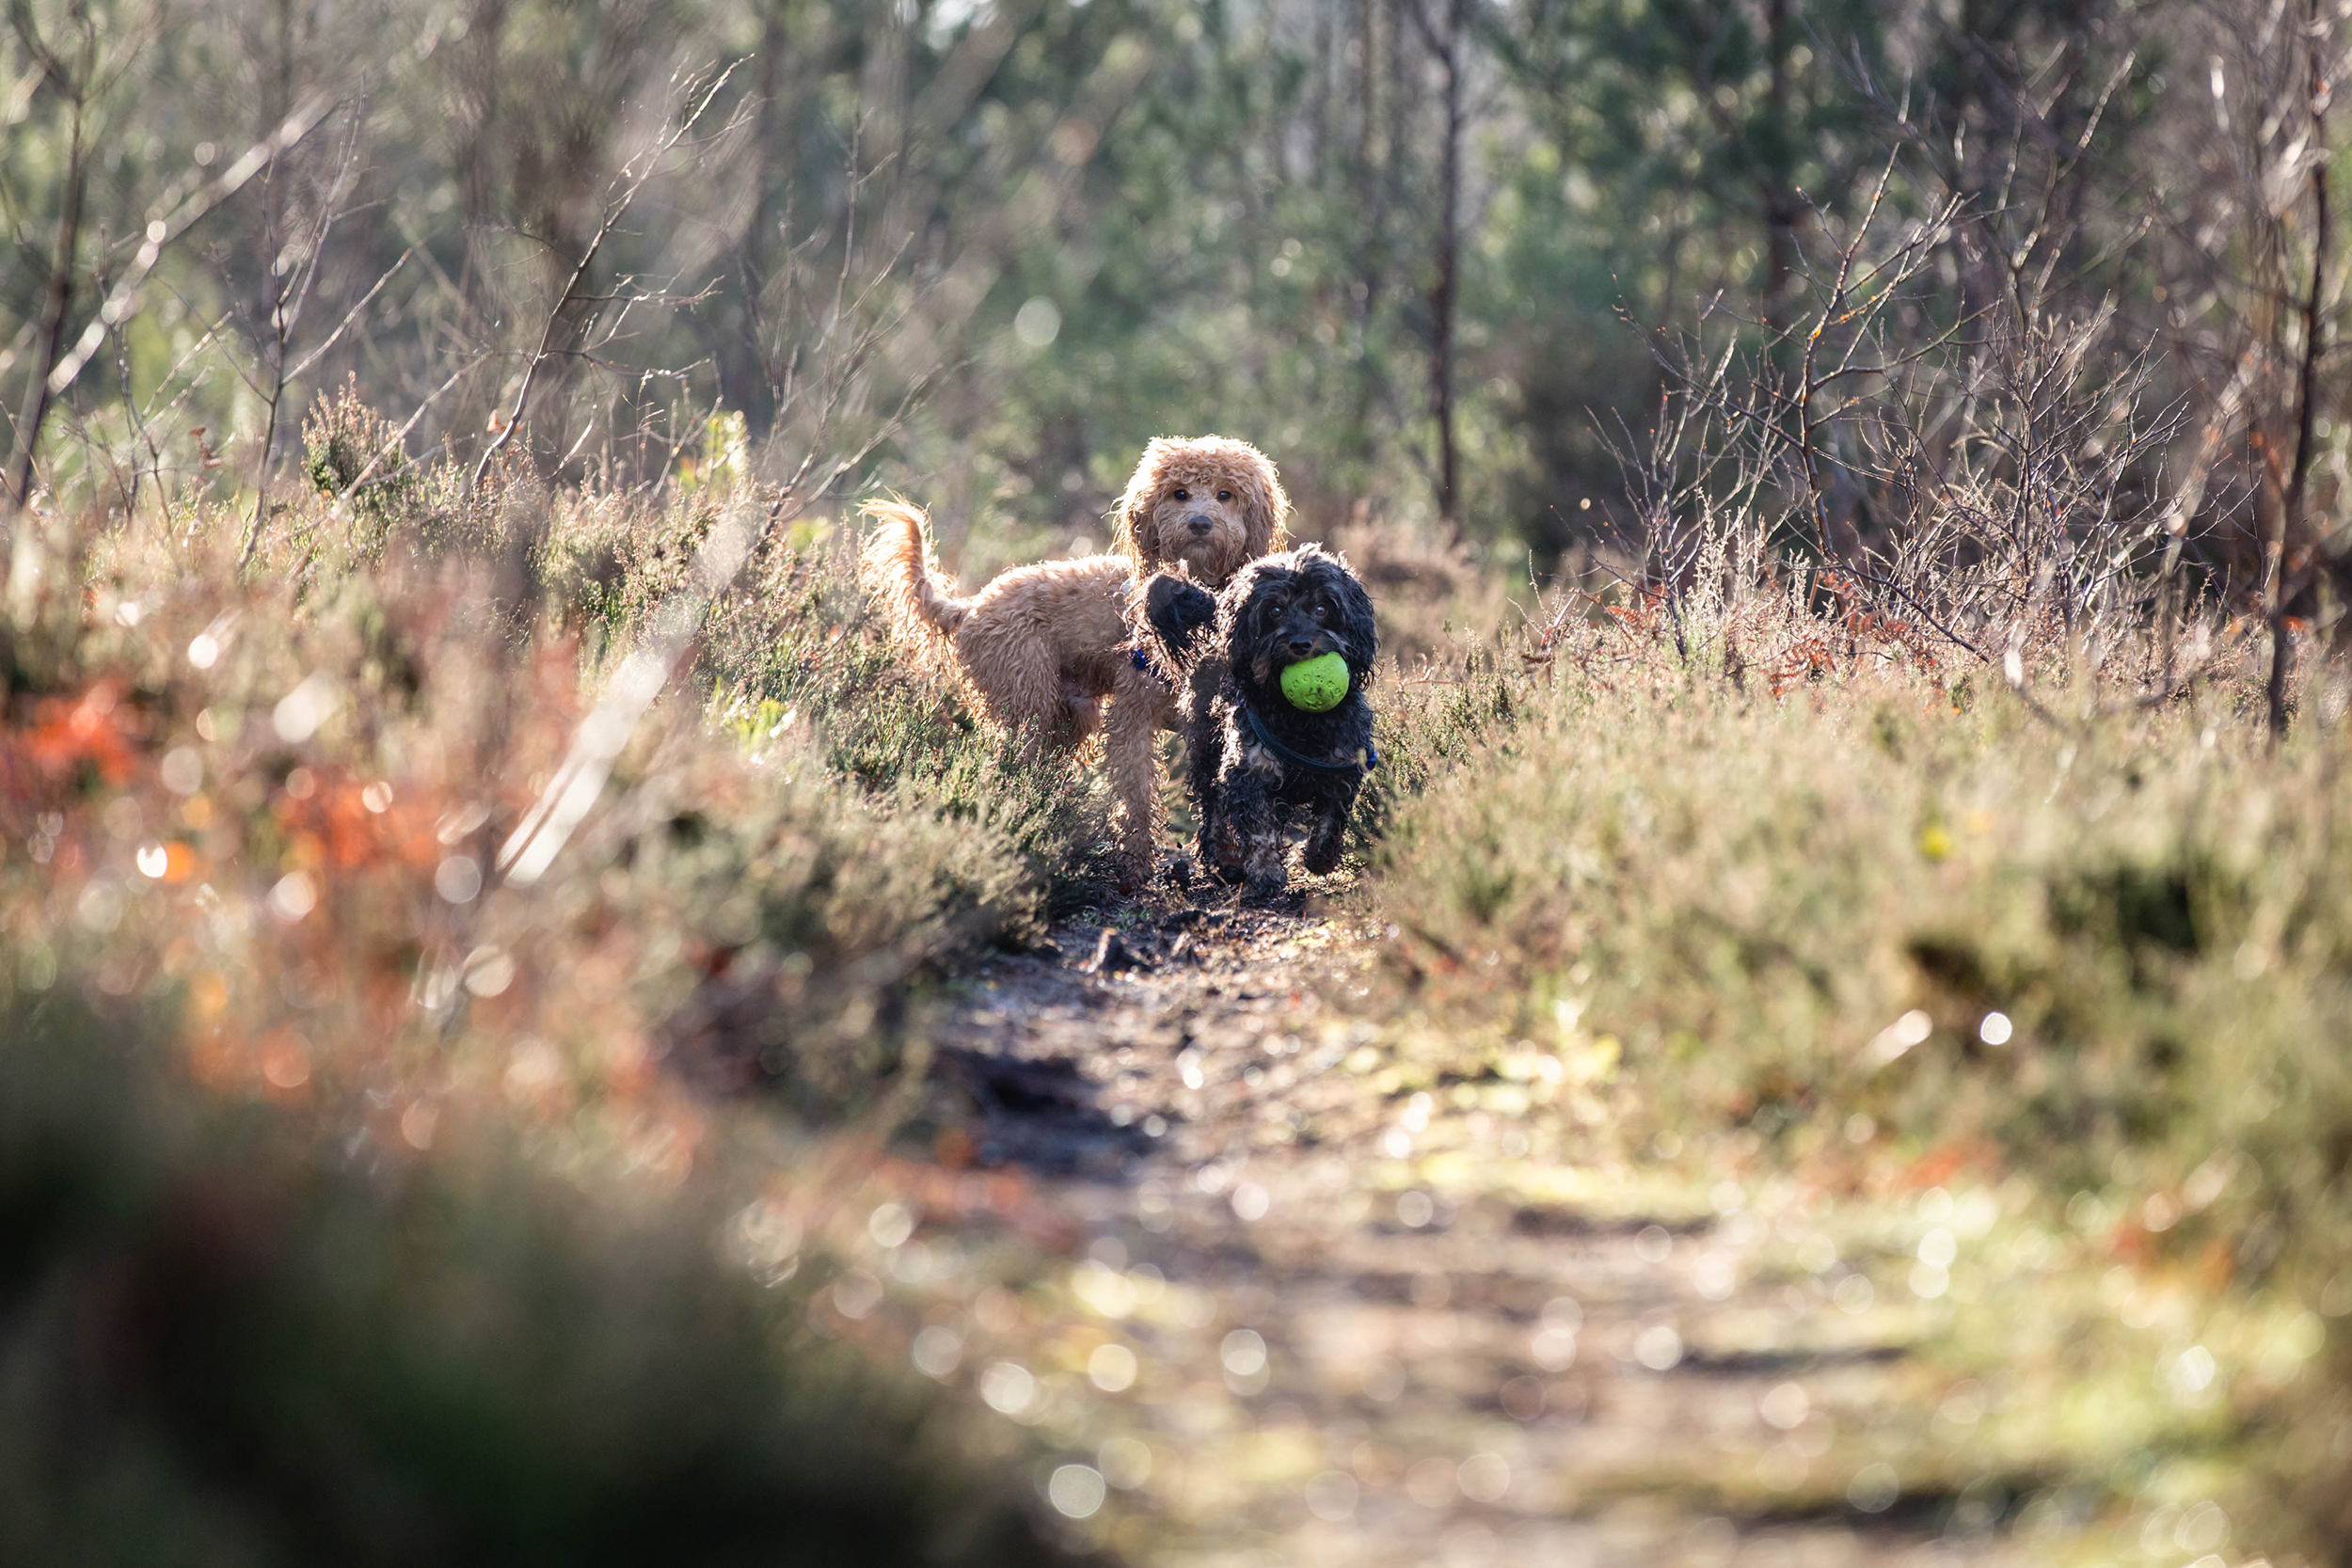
[(1041, 646)]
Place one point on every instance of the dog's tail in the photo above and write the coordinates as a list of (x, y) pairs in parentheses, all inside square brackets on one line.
[(897, 570)]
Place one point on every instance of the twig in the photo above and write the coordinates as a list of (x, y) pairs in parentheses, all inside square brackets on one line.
[(73, 83), (285, 313), (614, 210), (164, 230)]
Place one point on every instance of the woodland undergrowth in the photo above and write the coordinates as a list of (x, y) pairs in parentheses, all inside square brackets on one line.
[(1794, 895)]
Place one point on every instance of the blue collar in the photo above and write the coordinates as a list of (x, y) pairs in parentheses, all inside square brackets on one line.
[(1364, 762)]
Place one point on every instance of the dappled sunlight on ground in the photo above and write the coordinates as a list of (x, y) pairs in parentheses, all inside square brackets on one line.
[(1262, 1302)]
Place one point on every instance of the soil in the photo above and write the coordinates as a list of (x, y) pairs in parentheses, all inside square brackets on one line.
[(1350, 1322)]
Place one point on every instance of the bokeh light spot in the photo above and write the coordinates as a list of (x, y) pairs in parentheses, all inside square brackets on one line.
[(1125, 1462), (1331, 1496), (890, 1224), (1873, 1489), (1007, 1388), (1075, 1490), (936, 1351), (1484, 1478), (1038, 323), (1112, 1368), (1659, 1348), (292, 897), (458, 878), (182, 771), (489, 970)]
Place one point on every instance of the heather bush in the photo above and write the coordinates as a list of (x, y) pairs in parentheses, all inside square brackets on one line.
[(2085, 954), (327, 775)]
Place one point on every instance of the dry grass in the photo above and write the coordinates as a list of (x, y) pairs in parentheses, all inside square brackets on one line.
[(1798, 895)]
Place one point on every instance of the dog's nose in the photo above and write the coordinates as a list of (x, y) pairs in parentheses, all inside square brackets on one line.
[(1301, 647), (1200, 523)]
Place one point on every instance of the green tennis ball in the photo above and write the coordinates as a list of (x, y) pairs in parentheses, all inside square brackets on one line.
[(1318, 684)]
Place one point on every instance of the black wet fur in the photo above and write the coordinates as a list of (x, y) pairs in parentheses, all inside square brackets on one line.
[(1179, 609), (1276, 611)]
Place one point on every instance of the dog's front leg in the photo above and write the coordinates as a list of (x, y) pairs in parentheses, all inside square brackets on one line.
[(1330, 835), (1218, 849), (1246, 808), (1129, 730)]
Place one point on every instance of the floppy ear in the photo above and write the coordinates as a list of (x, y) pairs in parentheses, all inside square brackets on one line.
[(1267, 510), (1356, 618), (1232, 611), (1131, 533)]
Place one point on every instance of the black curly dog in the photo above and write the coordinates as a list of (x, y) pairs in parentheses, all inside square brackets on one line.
[(1256, 760)]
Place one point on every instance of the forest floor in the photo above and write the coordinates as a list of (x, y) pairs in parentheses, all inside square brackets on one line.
[(1311, 1319)]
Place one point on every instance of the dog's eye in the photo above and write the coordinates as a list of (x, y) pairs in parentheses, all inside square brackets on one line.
[(1184, 495), (1320, 611), (1225, 495)]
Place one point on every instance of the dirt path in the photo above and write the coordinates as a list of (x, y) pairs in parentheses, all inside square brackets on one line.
[(1311, 1317)]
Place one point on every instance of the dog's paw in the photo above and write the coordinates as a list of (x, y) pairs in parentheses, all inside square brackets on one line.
[(1177, 610), (1112, 955), (1223, 855), (1267, 883)]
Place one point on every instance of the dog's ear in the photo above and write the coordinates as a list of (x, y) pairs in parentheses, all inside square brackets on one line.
[(1232, 610), (1246, 619), (1131, 531), (1363, 630), (1357, 628), (1264, 506)]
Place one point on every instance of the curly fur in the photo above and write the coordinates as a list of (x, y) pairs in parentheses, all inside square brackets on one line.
[(1253, 759), (1181, 481), (1041, 646)]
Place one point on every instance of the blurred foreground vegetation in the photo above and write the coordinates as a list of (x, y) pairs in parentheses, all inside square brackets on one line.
[(399, 1203), (236, 1338)]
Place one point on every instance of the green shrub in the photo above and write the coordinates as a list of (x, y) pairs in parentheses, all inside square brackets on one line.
[(1790, 914), (349, 450), (745, 909), (801, 648)]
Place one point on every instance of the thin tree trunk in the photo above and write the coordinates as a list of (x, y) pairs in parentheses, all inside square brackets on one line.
[(1780, 201), (749, 388), (1374, 189), (56, 307), (1399, 135), (2290, 518), (280, 288), (1319, 113), (1448, 51), (764, 129), (475, 72)]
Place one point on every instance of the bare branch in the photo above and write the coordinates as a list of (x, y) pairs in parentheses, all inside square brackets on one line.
[(631, 180)]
